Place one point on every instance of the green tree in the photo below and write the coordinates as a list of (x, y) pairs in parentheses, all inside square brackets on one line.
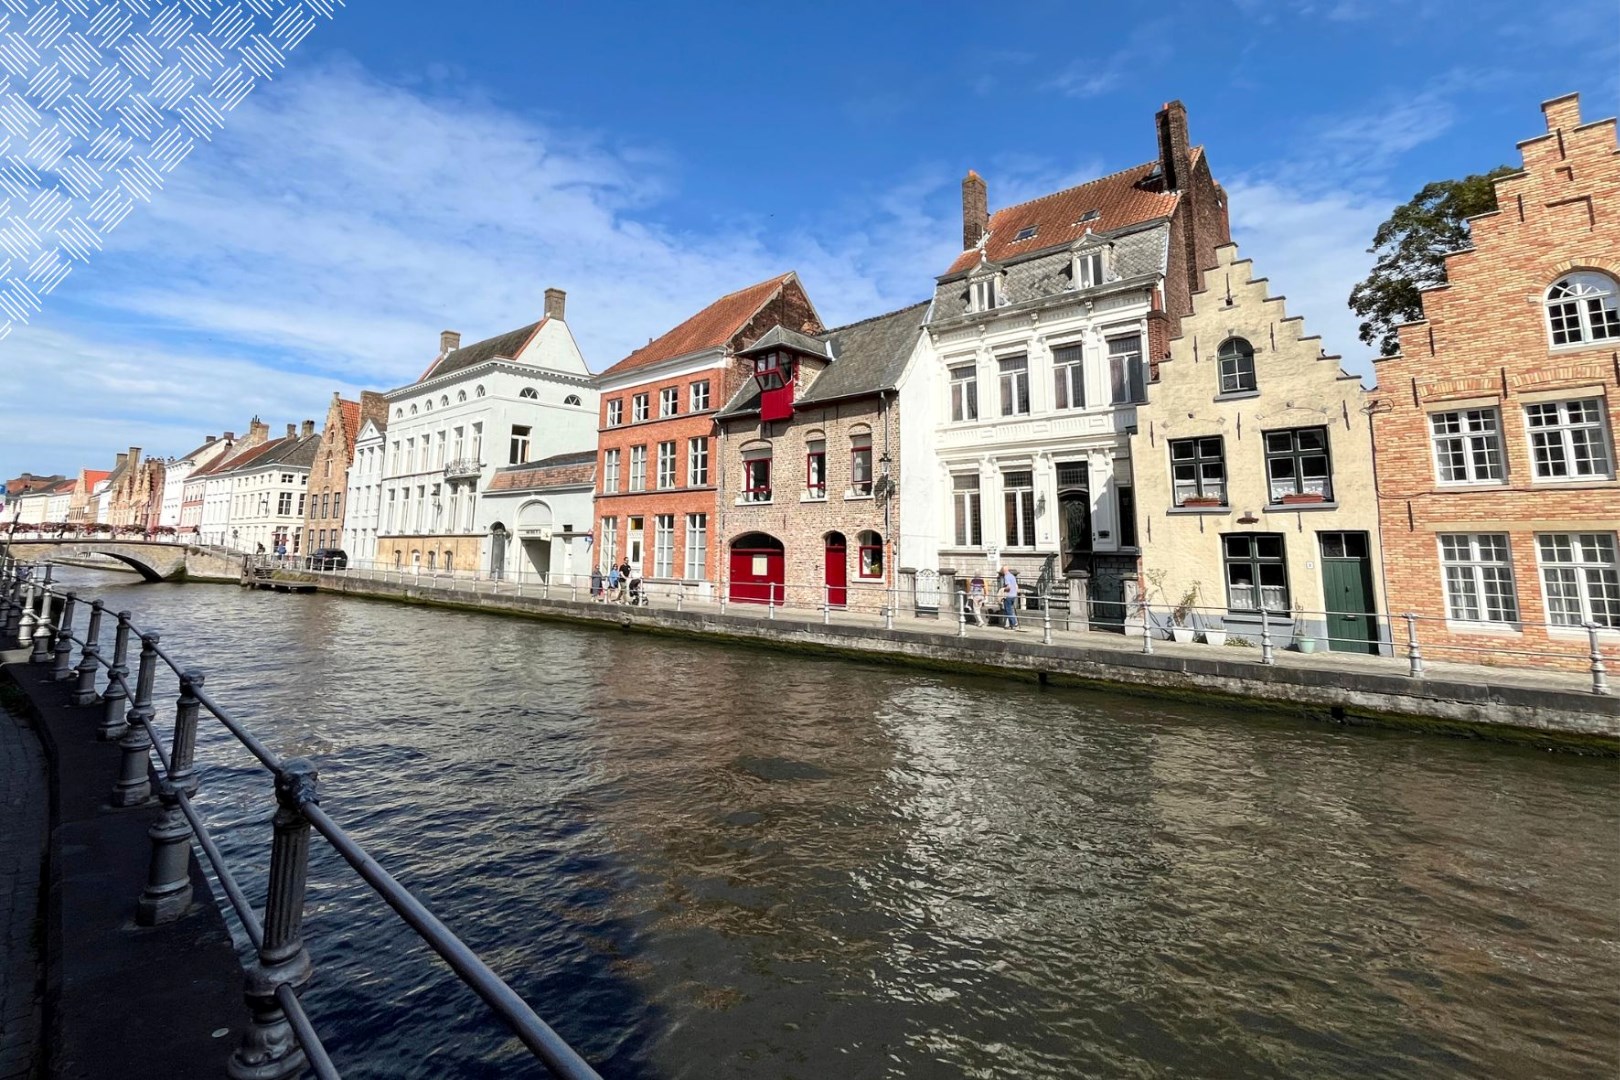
[(1412, 246)]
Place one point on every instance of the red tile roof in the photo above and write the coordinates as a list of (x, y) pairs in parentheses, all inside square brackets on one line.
[(558, 471), (1121, 199), (350, 411), (713, 326), (92, 477)]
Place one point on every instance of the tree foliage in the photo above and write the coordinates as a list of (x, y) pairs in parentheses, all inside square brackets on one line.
[(1412, 246)]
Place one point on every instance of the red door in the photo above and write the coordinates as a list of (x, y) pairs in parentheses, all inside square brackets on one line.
[(837, 570), (757, 570)]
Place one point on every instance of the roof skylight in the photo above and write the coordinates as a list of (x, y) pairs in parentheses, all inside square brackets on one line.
[(1025, 233), (1090, 215)]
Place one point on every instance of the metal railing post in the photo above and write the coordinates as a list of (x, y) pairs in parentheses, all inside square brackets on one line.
[(134, 784), (888, 609), (168, 880), (84, 693), (1147, 628), (545, 587), (723, 590), (826, 604), (63, 669), (573, 591), (1413, 653), (26, 622), (116, 697), (679, 592), (269, 1050), (44, 630), (961, 615), (1600, 677), (1266, 655), (1046, 620), (770, 600)]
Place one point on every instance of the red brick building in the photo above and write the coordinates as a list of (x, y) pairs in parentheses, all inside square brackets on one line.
[(329, 476), (1494, 427), (810, 465), (656, 468)]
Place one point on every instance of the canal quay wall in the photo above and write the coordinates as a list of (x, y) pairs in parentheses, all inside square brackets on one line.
[(117, 1001), (1551, 709)]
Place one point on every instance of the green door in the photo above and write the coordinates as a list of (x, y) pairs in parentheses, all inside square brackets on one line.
[(1347, 591)]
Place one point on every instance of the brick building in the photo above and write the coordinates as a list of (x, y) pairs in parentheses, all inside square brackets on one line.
[(1494, 426), (329, 476), (135, 494), (808, 483), (655, 464)]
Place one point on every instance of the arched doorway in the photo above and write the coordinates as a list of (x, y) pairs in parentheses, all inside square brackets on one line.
[(534, 530), (497, 549), (1074, 525), (757, 569), (837, 569)]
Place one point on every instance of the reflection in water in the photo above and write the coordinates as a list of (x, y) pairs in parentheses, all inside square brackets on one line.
[(705, 862)]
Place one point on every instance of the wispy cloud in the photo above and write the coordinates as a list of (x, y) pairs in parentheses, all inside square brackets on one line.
[(1088, 76)]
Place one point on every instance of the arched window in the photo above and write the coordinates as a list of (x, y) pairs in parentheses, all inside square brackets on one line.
[(427, 406), (444, 399), (572, 399), (461, 395), (1582, 307), (530, 393), (413, 410), (449, 562), (1236, 358), (480, 391), (399, 414), (871, 563)]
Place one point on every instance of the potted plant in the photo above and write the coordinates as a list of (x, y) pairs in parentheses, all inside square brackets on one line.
[(1215, 635), (1180, 616)]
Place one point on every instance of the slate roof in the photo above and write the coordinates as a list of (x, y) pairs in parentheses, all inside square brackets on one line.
[(232, 462), (502, 346), (196, 451), (1123, 199), (780, 335), (713, 326), (559, 470), (867, 356)]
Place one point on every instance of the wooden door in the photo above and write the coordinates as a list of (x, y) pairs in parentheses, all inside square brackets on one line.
[(757, 569), (837, 570), (1347, 592)]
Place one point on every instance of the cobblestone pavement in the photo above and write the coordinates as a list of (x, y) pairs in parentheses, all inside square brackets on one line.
[(22, 848)]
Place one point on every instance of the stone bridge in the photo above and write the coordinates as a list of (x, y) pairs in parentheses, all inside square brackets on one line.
[(154, 560)]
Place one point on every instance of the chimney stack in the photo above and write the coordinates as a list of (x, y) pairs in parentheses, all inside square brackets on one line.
[(258, 432), (1175, 156), (975, 210), (308, 429), (449, 341), (292, 431), (209, 441), (120, 462), (554, 304), (229, 436)]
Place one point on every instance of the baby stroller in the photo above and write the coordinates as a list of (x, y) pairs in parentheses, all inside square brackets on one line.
[(638, 595)]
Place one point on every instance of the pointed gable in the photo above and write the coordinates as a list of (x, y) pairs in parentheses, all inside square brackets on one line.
[(717, 325)]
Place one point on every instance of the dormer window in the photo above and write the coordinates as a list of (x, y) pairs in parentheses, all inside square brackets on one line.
[(1090, 215), (1026, 233), (984, 295), (1088, 269), (773, 370)]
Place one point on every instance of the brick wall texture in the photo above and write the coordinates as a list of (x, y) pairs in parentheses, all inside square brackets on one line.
[(1484, 342)]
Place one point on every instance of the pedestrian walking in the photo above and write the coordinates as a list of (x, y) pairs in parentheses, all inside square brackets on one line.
[(1009, 598), (596, 584), (976, 600), (613, 580)]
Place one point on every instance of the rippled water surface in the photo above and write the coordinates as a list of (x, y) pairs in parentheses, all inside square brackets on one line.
[(705, 862)]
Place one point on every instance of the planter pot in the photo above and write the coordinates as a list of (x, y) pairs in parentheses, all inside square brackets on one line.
[(1183, 634), (1305, 644), (1215, 637), (1199, 502), (1296, 500)]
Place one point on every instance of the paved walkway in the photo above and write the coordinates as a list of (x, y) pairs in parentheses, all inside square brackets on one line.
[(22, 851)]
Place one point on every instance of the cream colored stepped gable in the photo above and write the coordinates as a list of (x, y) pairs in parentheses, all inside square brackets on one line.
[(1295, 386)]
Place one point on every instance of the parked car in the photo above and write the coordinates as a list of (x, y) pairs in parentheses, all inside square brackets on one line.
[(327, 559)]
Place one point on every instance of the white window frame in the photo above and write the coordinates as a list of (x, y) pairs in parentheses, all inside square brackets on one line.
[(697, 547), (666, 465), (669, 401), (984, 293), (1089, 269), (1477, 565), (638, 469), (1068, 376), (700, 395), (1012, 384), (1563, 438), (663, 546), (697, 461), (1474, 439), (1585, 577), (615, 412), (967, 511), (1023, 510), (964, 391), (1591, 290), (610, 471), (639, 408), (610, 541)]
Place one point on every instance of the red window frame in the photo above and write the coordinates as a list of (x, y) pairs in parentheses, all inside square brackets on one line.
[(754, 491), (861, 562)]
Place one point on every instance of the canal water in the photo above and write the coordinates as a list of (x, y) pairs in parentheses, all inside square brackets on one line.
[(708, 862)]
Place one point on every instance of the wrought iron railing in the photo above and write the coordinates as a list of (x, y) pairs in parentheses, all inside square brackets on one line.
[(280, 1042)]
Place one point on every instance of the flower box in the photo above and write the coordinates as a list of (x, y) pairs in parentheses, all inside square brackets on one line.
[(1200, 501), (1298, 498)]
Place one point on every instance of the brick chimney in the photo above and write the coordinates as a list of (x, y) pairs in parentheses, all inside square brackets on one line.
[(554, 304), (449, 341), (118, 462), (210, 440), (308, 429), (229, 436), (292, 431), (258, 433), (1175, 156), (975, 210)]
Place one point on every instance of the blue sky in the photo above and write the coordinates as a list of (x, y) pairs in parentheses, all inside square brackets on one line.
[(418, 167)]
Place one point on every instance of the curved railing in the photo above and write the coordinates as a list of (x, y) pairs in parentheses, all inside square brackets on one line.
[(280, 1042)]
